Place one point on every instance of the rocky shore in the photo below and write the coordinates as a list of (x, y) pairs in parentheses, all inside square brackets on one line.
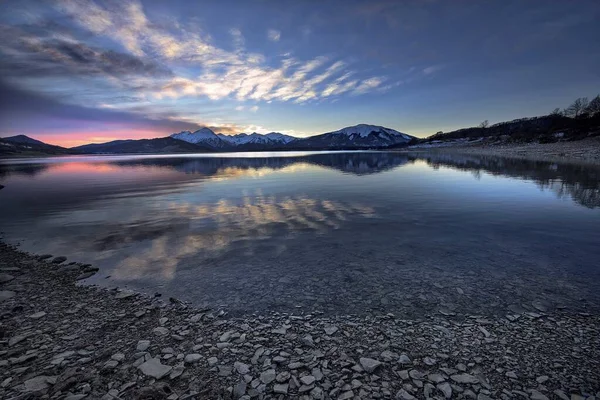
[(61, 340)]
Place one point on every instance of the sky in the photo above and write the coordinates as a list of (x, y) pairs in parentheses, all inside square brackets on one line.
[(80, 71)]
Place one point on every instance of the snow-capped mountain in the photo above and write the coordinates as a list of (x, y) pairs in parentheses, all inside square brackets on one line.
[(352, 137), (358, 136), (280, 137), (203, 136), (273, 138)]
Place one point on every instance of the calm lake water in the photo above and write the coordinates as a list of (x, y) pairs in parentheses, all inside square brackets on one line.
[(345, 232)]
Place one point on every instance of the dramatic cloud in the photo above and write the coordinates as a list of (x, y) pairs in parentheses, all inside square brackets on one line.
[(153, 50)]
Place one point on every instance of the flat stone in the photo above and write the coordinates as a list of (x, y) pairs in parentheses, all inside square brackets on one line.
[(331, 329), (6, 294), (37, 315), (192, 358), (177, 371), (160, 331), (110, 364), (280, 388), (561, 395), (542, 379), (308, 380), (280, 331), (239, 390), (446, 389), (404, 395), (511, 375), (464, 378), (37, 384), (283, 377), (59, 259), (6, 278), (346, 395), (268, 376), (16, 339), (241, 368), (225, 337), (142, 345), (404, 359), (155, 369), (429, 361), (535, 395), (418, 375), (436, 378), (369, 364)]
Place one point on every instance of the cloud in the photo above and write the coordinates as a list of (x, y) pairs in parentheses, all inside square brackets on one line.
[(274, 35), (111, 55), (431, 69), (47, 54), (368, 84)]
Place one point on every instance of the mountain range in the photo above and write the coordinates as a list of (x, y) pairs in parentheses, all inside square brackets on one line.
[(206, 140)]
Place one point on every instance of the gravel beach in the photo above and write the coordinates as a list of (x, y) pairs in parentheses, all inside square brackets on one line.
[(61, 340)]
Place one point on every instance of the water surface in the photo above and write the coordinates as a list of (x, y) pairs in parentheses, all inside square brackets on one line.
[(342, 232)]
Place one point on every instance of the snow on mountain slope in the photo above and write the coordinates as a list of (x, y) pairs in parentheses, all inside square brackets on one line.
[(204, 136), (364, 130), (280, 137), (273, 138), (358, 136)]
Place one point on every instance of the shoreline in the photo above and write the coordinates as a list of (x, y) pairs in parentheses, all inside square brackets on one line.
[(70, 341), (585, 151)]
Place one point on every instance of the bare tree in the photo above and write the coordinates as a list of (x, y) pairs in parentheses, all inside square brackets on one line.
[(577, 108), (556, 112), (594, 107), (484, 124)]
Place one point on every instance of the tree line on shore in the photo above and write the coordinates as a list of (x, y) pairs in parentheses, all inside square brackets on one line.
[(578, 120)]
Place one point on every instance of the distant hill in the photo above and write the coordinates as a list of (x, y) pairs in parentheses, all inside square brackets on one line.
[(24, 145), (544, 129), (164, 145)]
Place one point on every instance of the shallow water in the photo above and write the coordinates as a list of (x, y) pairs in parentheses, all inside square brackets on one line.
[(344, 232)]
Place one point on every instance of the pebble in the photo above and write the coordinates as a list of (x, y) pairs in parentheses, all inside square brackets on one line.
[(369, 364), (268, 376), (280, 388), (192, 358), (155, 369)]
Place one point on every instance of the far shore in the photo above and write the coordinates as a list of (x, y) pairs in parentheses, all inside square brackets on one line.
[(585, 151)]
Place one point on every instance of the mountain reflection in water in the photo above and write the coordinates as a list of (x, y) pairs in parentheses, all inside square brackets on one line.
[(336, 232)]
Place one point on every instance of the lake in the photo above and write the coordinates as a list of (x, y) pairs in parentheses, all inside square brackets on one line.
[(338, 232)]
